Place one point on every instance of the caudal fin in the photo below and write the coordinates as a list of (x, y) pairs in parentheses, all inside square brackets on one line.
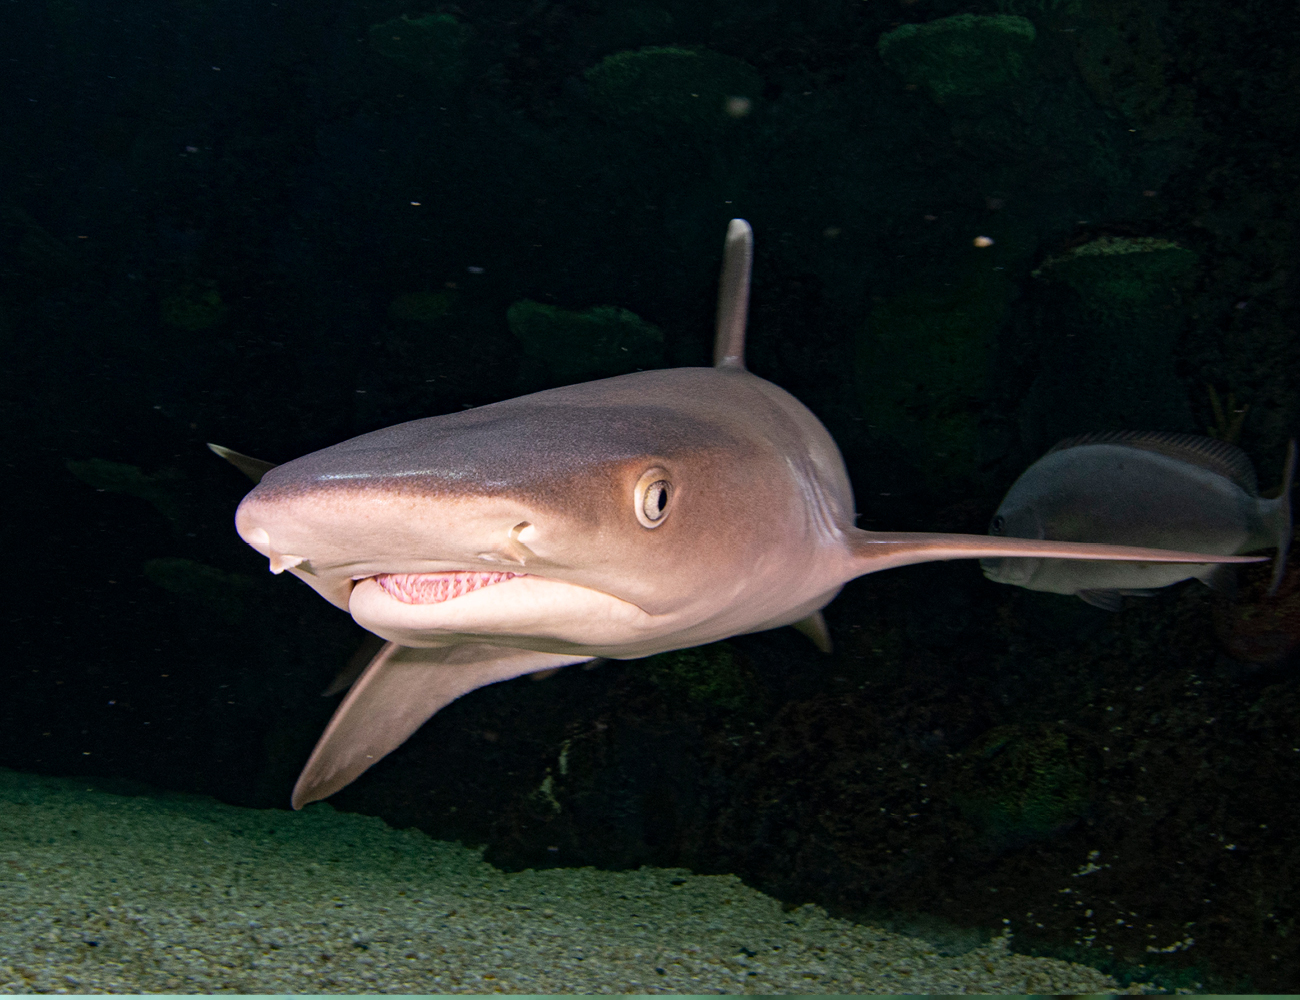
[(877, 550), (1282, 519)]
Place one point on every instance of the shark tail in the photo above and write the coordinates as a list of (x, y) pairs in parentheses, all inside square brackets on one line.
[(877, 550), (1278, 518)]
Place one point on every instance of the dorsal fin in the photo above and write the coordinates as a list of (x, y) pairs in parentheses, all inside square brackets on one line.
[(1219, 457), (253, 468), (733, 296)]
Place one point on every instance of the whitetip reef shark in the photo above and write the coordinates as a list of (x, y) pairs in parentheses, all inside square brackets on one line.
[(617, 518)]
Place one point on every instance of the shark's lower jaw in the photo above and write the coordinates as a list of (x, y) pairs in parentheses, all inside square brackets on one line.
[(434, 588)]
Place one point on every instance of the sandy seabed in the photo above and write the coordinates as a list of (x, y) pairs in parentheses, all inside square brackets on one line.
[(180, 894)]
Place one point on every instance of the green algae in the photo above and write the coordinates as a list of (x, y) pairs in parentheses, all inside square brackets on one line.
[(679, 90), (227, 594), (1112, 271), (1024, 783), (925, 371), (157, 488), (710, 676), (576, 346), (964, 56), (435, 45), (1107, 355)]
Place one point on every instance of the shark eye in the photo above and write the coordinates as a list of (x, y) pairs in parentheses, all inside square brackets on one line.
[(653, 498), (999, 522)]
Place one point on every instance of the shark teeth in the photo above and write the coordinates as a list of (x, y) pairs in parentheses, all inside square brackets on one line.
[(434, 588)]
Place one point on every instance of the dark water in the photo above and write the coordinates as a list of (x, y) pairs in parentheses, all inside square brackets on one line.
[(276, 226)]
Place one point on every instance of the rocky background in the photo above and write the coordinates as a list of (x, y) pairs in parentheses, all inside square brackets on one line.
[(277, 225)]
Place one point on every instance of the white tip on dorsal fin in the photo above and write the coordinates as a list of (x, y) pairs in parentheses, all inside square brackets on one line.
[(733, 296)]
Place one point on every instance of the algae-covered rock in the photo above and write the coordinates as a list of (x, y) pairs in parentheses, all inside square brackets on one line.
[(594, 343), (674, 89), (925, 370), (968, 55), (1116, 273), (227, 594), (193, 306), (1024, 783), (1113, 314), (434, 45), (1125, 64), (160, 488), (626, 26), (710, 676)]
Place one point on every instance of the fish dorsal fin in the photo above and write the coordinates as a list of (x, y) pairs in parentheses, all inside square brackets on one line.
[(253, 468), (1219, 457), (733, 296)]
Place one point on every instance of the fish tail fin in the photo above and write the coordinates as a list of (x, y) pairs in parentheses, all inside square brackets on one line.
[(871, 551), (733, 296), (1279, 518)]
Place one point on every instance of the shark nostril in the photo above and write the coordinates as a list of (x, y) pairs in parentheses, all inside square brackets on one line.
[(258, 538)]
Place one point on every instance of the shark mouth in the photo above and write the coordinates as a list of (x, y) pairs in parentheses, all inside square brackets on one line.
[(434, 588)]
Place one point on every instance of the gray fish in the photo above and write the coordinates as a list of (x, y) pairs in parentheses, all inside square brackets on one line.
[(1145, 488), (615, 518)]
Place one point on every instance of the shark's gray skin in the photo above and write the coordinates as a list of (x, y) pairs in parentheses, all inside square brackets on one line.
[(616, 518), (1170, 491)]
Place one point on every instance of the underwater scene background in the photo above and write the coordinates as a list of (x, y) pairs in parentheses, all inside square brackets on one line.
[(980, 227)]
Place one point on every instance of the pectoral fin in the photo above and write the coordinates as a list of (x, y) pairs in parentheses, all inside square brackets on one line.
[(357, 663), (876, 550), (397, 693)]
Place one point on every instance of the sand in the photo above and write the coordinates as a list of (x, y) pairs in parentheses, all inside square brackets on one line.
[(181, 894)]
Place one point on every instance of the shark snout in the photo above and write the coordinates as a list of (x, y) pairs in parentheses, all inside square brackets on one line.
[(260, 540)]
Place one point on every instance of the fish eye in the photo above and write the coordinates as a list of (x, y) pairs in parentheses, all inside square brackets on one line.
[(999, 522), (653, 497)]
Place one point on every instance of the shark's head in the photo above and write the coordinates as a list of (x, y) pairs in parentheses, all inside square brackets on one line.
[(596, 516)]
